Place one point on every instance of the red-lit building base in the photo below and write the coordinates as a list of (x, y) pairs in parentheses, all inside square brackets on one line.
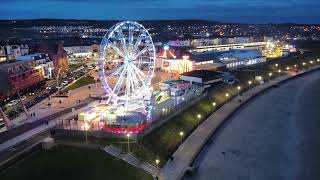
[(131, 130)]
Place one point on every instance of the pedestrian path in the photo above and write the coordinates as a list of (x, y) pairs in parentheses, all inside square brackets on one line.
[(131, 159)]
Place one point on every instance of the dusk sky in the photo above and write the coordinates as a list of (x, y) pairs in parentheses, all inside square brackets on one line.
[(244, 11)]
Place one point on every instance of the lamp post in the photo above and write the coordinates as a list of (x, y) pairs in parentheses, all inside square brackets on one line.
[(128, 135), (279, 71), (249, 82), (214, 104), (86, 127), (163, 110), (227, 95), (277, 65), (239, 89), (181, 136), (287, 68), (157, 163), (270, 75)]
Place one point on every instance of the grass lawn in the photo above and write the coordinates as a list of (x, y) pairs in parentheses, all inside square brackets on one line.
[(68, 163), (81, 82)]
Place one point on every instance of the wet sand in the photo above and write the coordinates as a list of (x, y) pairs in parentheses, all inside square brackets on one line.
[(274, 137)]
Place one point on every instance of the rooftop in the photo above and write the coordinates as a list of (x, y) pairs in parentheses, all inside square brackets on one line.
[(204, 74), (233, 54)]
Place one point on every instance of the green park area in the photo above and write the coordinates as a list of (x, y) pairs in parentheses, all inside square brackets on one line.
[(86, 80), (66, 163)]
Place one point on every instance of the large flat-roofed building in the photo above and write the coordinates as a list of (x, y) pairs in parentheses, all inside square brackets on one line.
[(229, 59), (202, 76)]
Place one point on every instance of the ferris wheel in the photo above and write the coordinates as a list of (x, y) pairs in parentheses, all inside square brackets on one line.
[(126, 65)]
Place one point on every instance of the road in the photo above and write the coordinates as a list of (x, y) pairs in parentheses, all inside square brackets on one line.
[(276, 136)]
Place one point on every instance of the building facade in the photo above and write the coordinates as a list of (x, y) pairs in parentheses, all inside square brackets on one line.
[(43, 61), (19, 76)]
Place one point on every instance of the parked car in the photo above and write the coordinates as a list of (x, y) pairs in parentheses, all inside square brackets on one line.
[(13, 103), (64, 83)]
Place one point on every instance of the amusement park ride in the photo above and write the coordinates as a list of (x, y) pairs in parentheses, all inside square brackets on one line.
[(128, 49)]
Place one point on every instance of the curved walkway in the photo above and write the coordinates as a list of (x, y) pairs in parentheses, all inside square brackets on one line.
[(275, 137), (187, 152)]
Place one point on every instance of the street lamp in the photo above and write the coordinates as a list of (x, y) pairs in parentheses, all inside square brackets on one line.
[(128, 135), (277, 65), (279, 71), (249, 82), (157, 163), (303, 64), (163, 110), (288, 68), (227, 95), (214, 104), (318, 60), (270, 75), (86, 127), (311, 62), (181, 136)]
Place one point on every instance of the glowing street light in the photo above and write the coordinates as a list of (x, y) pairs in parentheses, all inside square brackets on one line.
[(239, 89), (295, 65), (86, 128), (214, 104), (303, 64), (270, 74), (249, 82), (157, 163), (128, 135), (287, 68), (318, 60), (181, 136), (279, 71), (277, 65), (311, 62)]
